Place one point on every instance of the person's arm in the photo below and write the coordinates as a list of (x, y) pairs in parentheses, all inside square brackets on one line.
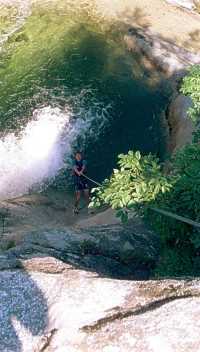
[(78, 173), (83, 168)]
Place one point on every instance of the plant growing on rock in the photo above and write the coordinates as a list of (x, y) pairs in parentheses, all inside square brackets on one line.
[(136, 182)]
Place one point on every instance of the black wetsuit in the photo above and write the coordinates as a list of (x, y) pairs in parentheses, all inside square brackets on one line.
[(80, 182)]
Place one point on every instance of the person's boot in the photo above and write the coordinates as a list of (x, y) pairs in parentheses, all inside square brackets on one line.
[(76, 210)]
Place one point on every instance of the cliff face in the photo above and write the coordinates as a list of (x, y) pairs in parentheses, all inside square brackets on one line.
[(167, 38)]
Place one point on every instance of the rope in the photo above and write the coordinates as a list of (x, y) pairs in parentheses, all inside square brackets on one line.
[(93, 181), (177, 217), (163, 212)]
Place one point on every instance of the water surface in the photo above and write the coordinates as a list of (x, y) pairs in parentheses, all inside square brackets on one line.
[(69, 62)]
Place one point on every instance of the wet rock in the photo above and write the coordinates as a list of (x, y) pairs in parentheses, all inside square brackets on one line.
[(107, 266), (8, 263), (128, 247)]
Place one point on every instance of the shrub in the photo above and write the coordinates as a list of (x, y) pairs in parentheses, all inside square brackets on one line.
[(137, 181), (174, 263), (140, 184), (191, 88)]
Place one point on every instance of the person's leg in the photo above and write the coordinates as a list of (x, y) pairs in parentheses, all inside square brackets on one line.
[(77, 199)]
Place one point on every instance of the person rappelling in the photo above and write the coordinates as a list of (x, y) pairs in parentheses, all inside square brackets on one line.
[(80, 181)]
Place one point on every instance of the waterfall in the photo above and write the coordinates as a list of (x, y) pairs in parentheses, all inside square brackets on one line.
[(34, 156), (38, 152)]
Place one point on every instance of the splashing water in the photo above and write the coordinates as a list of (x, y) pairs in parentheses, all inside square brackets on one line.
[(35, 156), (38, 153)]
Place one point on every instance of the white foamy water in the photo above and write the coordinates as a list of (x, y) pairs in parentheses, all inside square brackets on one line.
[(24, 10), (38, 153)]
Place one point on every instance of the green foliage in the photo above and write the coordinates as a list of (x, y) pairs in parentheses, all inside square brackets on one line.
[(138, 180), (139, 184), (195, 239), (174, 262), (185, 196), (183, 199), (191, 87), (6, 244), (88, 247)]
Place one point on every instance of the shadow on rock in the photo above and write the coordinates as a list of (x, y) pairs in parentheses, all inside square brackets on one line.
[(114, 251), (23, 310)]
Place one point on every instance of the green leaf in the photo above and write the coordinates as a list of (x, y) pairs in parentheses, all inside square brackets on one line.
[(138, 155), (124, 217)]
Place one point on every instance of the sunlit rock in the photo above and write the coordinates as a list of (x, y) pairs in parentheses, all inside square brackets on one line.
[(64, 307), (188, 4), (181, 125)]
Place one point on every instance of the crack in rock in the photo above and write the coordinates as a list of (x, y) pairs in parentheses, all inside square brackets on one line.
[(133, 312), (46, 340)]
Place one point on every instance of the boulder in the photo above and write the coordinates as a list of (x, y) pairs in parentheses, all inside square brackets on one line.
[(181, 125), (132, 248), (47, 305)]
